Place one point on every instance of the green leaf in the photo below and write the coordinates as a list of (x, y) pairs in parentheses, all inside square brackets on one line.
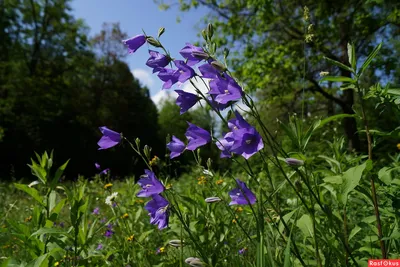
[(305, 225), (144, 235), (339, 64), (42, 261), (351, 178), (334, 118), (369, 59), (353, 232), (352, 55), (30, 191), (50, 231), (59, 172), (337, 79)]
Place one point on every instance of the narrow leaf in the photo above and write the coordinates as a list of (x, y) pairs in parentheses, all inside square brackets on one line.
[(369, 59), (339, 64), (337, 79)]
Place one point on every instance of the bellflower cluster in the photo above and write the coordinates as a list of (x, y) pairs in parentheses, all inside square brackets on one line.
[(242, 140), (196, 137), (158, 206)]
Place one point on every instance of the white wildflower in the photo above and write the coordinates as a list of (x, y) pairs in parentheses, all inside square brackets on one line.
[(110, 199)]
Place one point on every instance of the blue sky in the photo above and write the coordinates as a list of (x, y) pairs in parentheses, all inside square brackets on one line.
[(135, 15)]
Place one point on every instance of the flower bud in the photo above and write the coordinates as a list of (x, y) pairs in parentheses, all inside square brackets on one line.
[(161, 31), (175, 243), (294, 162), (153, 42), (212, 199), (200, 54), (194, 262), (210, 30), (218, 65)]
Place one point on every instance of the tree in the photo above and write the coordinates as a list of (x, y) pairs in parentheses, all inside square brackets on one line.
[(270, 40)]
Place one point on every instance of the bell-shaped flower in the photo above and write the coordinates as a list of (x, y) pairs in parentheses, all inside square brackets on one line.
[(169, 77), (176, 147), (246, 142), (238, 122), (225, 90), (109, 138), (150, 185), (196, 136), (208, 71), (186, 100), (192, 58), (135, 42), (241, 195), (157, 61), (158, 211), (185, 72)]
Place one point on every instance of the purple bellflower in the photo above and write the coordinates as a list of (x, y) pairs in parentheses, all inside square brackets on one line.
[(192, 58), (109, 138), (185, 72), (150, 185), (225, 90), (246, 142), (238, 122), (158, 211), (225, 145), (96, 211), (186, 100), (208, 71), (196, 136), (176, 147), (135, 43), (105, 171), (157, 61), (169, 77), (97, 166), (241, 195), (216, 105)]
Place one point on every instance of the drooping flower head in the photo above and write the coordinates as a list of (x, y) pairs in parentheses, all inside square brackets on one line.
[(238, 122), (158, 211), (246, 142), (109, 138), (150, 185), (208, 71), (169, 77), (216, 105), (186, 100), (241, 195), (135, 43), (187, 53), (176, 147), (225, 145), (157, 61), (225, 90), (196, 136)]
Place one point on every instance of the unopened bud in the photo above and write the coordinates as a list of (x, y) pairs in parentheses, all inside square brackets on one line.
[(212, 199), (200, 54), (161, 31), (210, 30), (194, 262), (204, 34), (153, 42), (218, 65), (294, 162), (175, 243)]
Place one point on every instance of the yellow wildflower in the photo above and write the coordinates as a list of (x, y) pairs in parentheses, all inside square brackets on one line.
[(169, 186), (57, 264), (126, 215), (398, 146), (239, 209), (28, 219), (219, 182), (108, 185), (201, 180), (154, 161), (130, 238), (234, 221), (139, 201), (162, 249)]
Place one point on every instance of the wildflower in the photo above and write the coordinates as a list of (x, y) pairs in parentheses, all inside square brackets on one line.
[(109, 185), (294, 162), (212, 199), (176, 147), (185, 72), (239, 209), (196, 136), (99, 247), (207, 172), (139, 201), (225, 90), (175, 243), (103, 220), (201, 180), (160, 250), (216, 105), (150, 185), (108, 233), (323, 73), (194, 262), (208, 71), (157, 61), (398, 146), (135, 43), (97, 166), (242, 195), (219, 182), (158, 211), (234, 221), (185, 100), (109, 138), (169, 186), (111, 198), (33, 183), (105, 171), (169, 77), (28, 219), (56, 263), (125, 216), (130, 238), (154, 161), (189, 53), (225, 145), (242, 251)]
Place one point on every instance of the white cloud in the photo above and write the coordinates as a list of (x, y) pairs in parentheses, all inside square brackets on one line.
[(144, 76), (163, 95)]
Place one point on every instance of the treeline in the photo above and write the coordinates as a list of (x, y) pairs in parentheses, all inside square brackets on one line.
[(57, 86)]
